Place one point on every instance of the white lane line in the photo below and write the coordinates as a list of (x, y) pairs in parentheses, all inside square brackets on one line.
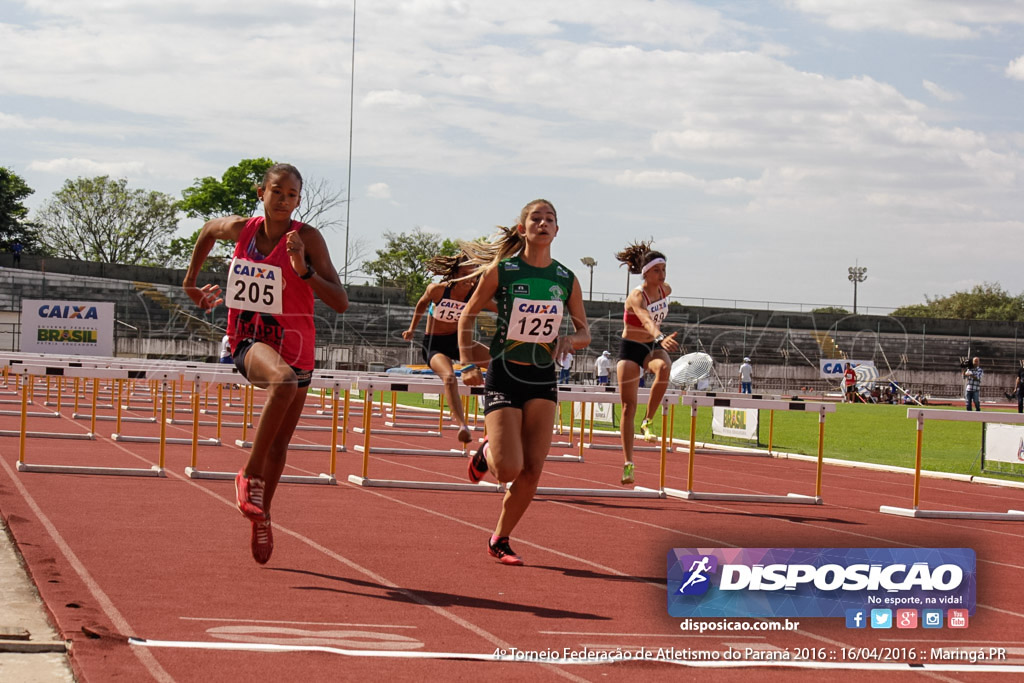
[(410, 594), (630, 635), (102, 599), (292, 623), (491, 657)]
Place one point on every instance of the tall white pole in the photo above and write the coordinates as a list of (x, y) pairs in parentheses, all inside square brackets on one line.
[(351, 107)]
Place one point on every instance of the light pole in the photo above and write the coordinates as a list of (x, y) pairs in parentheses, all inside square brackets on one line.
[(857, 274), (590, 263)]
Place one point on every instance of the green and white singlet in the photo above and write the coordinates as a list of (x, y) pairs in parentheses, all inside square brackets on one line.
[(531, 304)]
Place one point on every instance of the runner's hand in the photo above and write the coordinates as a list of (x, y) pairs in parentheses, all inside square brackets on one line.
[(669, 343), (206, 297), (296, 252)]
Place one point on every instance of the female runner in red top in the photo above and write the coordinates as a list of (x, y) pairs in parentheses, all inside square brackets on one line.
[(278, 265)]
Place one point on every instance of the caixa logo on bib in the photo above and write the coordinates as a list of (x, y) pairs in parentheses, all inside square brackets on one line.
[(816, 582)]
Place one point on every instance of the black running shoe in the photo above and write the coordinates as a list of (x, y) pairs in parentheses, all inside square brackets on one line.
[(478, 464), (503, 551)]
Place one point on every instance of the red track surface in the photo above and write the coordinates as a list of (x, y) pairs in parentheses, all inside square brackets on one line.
[(167, 559)]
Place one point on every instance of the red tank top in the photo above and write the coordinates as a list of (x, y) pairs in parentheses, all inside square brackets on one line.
[(292, 333), (630, 318)]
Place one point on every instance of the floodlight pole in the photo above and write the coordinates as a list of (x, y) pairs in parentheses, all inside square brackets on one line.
[(857, 274), (590, 263)]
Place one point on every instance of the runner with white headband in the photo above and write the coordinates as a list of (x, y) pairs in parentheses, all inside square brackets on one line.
[(644, 347)]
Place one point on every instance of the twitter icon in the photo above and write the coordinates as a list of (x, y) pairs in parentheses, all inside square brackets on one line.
[(881, 618)]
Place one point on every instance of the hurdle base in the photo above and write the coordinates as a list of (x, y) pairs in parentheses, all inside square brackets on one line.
[(84, 436), (425, 485), (168, 440), (113, 418), (635, 492), (452, 453), (403, 432), (1009, 515), (564, 458), (791, 498), (153, 471), (322, 478), (618, 447)]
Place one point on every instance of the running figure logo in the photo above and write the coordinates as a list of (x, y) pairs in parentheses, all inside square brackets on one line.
[(697, 581)]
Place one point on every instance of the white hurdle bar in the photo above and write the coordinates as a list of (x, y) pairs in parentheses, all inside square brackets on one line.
[(696, 400), (369, 386), (922, 414), (95, 374)]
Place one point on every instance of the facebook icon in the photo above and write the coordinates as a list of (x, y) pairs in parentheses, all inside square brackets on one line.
[(856, 618)]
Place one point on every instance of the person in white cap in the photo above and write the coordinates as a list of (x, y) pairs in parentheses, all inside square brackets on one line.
[(746, 377), (602, 366)]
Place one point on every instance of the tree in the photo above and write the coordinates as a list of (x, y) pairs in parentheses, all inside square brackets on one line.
[(987, 301), (402, 261), (319, 200), (832, 310), (14, 223), (99, 219), (233, 195)]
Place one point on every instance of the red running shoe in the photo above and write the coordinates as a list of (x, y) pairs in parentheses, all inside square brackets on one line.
[(478, 464), (249, 496), (262, 541), (503, 551)]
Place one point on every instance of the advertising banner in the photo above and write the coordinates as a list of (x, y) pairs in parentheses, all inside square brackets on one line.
[(1004, 443), (738, 423), (75, 328), (818, 582), (832, 368)]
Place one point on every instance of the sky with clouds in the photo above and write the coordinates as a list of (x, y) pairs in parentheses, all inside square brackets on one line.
[(764, 145)]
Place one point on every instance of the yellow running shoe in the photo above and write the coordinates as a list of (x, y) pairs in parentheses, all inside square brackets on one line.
[(645, 430), (627, 473)]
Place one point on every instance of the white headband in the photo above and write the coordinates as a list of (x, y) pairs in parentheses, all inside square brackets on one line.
[(643, 271)]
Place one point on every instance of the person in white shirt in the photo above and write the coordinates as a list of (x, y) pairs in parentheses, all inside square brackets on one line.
[(565, 367), (746, 377), (602, 366)]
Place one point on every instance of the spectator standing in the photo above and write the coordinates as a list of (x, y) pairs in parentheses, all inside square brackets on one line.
[(746, 377), (972, 388), (225, 350), (1018, 389), (16, 250), (850, 380), (565, 368), (602, 366)]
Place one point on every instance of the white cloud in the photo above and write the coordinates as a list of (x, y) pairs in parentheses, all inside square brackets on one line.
[(1015, 69), (378, 191), (88, 167), (393, 98), (942, 19), (939, 93)]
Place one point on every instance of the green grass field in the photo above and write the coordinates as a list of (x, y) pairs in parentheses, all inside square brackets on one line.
[(880, 434)]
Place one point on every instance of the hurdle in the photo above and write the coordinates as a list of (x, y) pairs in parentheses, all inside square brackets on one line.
[(694, 401), (369, 386), (922, 414), (337, 385), (95, 374), (643, 398)]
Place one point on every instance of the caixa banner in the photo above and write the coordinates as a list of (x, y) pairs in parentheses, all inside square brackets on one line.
[(816, 582)]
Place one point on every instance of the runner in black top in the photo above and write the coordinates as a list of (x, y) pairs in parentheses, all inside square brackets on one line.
[(443, 302)]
